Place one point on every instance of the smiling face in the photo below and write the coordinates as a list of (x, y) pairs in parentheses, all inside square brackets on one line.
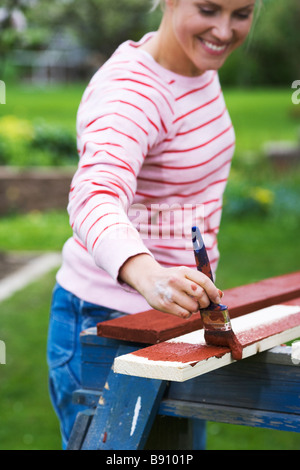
[(199, 35)]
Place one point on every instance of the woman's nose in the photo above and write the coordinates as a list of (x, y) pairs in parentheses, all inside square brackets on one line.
[(222, 30)]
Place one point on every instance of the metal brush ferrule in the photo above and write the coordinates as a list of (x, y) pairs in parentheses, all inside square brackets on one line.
[(216, 317)]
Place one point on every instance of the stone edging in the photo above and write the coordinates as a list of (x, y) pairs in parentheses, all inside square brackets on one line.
[(28, 273)]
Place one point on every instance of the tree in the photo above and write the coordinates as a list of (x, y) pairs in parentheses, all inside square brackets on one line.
[(269, 57), (101, 25), (12, 25)]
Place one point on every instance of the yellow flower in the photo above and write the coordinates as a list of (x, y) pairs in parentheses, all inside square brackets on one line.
[(262, 195), (14, 128)]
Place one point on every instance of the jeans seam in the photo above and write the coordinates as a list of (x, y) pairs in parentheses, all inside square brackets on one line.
[(54, 364)]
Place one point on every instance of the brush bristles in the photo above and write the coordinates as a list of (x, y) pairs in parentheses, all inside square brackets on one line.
[(227, 339)]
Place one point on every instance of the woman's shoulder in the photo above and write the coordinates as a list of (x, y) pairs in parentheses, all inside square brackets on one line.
[(134, 65)]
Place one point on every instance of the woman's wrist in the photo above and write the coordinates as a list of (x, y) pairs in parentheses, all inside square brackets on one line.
[(133, 271)]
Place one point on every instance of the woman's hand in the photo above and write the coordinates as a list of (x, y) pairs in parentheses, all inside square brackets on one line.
[(180, 290)]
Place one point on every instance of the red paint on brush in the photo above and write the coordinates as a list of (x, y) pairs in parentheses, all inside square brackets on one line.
[(227, 339), (236, 348), (218, 330), (215, 317)]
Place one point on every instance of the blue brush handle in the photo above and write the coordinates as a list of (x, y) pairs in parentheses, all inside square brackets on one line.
[(200, 253)]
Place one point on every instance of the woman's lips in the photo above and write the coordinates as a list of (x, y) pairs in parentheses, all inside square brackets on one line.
[(213, 48)]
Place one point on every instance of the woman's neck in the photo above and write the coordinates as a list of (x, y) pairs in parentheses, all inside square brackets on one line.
[(165, 50)]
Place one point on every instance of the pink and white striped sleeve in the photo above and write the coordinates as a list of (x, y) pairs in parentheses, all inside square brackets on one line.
[(120, 117)]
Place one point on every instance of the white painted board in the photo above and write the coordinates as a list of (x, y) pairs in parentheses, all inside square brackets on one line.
[(257, 331)]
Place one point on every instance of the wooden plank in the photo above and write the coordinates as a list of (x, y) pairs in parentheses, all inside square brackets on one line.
[(258, 295), (233, 415), (125, 412), (188, 356), (97, 356), (148, 327), (250, 383), (169, 431), (80, 429), (268, 381), (153, 327)]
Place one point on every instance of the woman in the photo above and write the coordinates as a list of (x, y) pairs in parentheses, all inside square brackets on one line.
[(155, 143)]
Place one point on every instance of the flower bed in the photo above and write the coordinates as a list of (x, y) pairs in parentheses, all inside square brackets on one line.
[(23, 190)]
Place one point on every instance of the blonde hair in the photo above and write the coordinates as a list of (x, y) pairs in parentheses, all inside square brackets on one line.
[(156, 4), (161, 3)]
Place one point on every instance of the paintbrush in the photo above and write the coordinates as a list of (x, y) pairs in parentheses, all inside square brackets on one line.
[(215, 317)]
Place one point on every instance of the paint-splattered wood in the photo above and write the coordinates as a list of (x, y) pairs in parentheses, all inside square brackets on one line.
[(152, 326), (125, 412), (188, 356)]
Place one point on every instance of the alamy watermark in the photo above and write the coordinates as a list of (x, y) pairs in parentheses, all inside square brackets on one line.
[(296, 94), (2, 353), (165, 221), (2, 92), (159, 221)]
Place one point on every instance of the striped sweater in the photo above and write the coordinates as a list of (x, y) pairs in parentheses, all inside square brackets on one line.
[(155, 152)]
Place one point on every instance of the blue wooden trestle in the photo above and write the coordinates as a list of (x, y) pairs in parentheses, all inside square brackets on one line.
[(121, 412)]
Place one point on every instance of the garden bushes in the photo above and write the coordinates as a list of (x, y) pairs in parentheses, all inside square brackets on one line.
[(25, 143)]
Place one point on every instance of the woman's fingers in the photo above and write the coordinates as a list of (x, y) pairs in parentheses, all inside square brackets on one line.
[(179, 290), (172, 299), (197, 293), (180, 295), (195, 284), (199, 282)]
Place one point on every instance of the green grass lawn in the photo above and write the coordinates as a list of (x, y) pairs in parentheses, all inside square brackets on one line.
[(261, 115), (31, 231), (27, 418), (54, 104), (254, 249), (258, 239)]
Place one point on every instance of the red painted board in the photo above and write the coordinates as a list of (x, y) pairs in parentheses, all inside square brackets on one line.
[(148, 327), (188, 356), (245, 299), (152, 326)]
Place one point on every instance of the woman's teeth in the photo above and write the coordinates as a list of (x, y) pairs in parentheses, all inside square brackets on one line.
[(214, 47)]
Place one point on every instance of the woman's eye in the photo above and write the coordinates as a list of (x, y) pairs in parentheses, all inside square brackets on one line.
[(238, 14), (206, 11), (243, 16)]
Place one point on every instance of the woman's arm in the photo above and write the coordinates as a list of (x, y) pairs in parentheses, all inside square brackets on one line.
[(179, 290), (118, 121)]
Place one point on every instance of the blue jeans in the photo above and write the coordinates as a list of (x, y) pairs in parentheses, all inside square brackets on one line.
[(69, 316)]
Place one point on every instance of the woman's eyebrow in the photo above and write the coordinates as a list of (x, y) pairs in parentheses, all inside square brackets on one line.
[(208, 2), (246, 7), (216, 5)]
